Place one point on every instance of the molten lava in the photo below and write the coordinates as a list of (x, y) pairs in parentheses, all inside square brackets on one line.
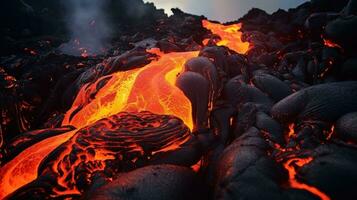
[(151, 88), (230, 35), (23, 168), (291, 166)]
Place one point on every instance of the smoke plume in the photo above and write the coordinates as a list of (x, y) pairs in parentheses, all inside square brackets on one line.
[(88, 27)]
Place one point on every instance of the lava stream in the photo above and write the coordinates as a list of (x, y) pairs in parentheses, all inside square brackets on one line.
[(230, 35), (300, 162), (151, 88)]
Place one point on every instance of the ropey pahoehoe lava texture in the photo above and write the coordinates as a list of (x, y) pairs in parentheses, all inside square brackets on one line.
[(179, 107)]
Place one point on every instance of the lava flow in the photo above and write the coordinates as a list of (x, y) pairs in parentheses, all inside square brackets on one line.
[(230, 35), (300, 162), (291, 166), (150, 88)]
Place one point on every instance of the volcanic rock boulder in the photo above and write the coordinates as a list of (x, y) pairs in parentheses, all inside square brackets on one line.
[(324, 102), (328, 5), (349, 69), (245, 171), (346, 127), (332, 171), (205, 67), (238, 93), (351, 8), (317, 21), (274, 87), (152, 182), (343, 31), (196, 88), (135, 58), (267, 124)]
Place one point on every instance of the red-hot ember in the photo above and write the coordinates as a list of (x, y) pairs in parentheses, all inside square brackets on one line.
[(331, 44)]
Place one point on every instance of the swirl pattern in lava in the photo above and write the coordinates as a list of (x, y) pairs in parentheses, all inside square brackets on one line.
[(112, 145)]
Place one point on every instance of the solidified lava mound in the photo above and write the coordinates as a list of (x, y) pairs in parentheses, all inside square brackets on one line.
[(180, 107)]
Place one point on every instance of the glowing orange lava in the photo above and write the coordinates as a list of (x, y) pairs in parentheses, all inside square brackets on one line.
[(300, 162), (230, 35), (151, 88), (23, 168)]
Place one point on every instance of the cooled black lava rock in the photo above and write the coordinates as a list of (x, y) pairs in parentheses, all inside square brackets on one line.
[(317, 22), (159, 182), (197, 88), (328, 5), (245, 171), (349, 69), (238, 93), (333, 171), (245, 119), (346, 127), (272, 86), (273, 129), (206, 68), (351, 8), (343, 31), (324, 102)]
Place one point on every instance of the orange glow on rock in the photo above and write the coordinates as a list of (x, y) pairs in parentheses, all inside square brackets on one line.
[(230, 35), (330, 133), (291, 166), (331, 44), (291, 130)]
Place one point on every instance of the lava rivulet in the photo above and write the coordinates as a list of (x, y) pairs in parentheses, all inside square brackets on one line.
[(230, 35), (294, 183)]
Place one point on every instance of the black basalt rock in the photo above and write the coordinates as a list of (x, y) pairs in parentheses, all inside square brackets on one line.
[(324, 102), (158, 182)]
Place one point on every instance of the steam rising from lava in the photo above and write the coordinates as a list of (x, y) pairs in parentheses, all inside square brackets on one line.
[(89, 29)]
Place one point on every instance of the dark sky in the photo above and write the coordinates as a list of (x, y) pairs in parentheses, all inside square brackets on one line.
[(225, 10)]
